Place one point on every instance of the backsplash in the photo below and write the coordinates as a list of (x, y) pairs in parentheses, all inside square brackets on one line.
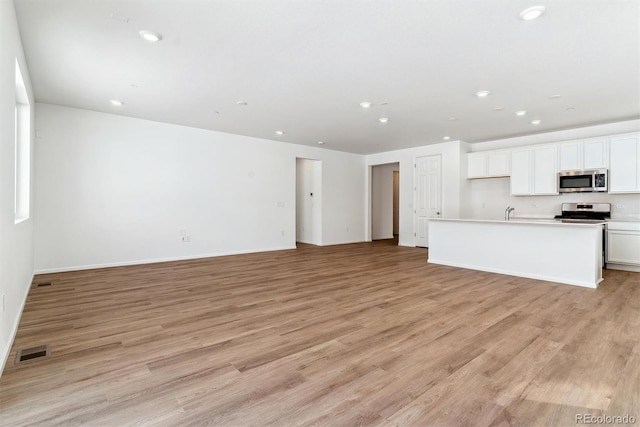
[(488, 199)]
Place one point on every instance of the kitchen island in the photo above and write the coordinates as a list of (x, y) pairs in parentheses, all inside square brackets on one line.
[(549, 250)]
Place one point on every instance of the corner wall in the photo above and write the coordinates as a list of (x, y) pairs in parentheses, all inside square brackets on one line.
[(16, 240), (114, 190)]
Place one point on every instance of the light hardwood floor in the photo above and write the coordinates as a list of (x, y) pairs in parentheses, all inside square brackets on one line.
[(363, 334)]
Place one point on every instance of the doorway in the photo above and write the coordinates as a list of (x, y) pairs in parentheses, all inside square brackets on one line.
[(396, 205), (309, 201), (385, 208)]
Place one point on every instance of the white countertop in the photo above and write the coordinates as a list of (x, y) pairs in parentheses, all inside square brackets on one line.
[(526, 221)]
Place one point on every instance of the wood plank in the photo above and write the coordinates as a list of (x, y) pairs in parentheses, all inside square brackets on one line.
[(361, 334)]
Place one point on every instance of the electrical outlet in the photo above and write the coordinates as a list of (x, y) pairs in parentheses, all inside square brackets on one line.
[(282, 233), (347, 228), (186, 239), (619, 206)]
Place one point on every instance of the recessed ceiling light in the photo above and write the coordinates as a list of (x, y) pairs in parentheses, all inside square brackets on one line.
[(570, 109), (384, 103), (521, 113), (150, 36), (279, 132), (116, 102), (365, 104), (482, 93), (119, 17), (383, 119), (555, 96), (320, 142), (446, 138), (453, 119), (532, 13), (498, 109), (241, 103), (536, 122)]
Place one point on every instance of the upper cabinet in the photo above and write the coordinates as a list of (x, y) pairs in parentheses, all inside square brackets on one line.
[(534, 170), (596, 153), (488, 164), (624, 170), (522, 172), (545, 170), (586, 154)]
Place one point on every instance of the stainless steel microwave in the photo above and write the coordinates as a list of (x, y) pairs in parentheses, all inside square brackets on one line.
[(583, 181)]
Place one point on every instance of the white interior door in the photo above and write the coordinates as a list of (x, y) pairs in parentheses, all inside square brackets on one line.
[(428, 196)]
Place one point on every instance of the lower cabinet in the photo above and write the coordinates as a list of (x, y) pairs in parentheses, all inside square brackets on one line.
[(623, 245)]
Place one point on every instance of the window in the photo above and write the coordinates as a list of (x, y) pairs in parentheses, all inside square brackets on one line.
[(22, 149)]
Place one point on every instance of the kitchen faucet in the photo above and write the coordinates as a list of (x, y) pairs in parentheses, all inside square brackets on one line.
[(507, 212)]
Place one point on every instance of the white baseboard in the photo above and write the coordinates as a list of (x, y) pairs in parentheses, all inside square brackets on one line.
[(14, 329), (155, 260), (624, 267), (348, 242), (407, 245), (305, 242), (511, 273)]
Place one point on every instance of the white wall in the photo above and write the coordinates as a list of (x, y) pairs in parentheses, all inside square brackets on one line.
[(382, 201), (309, 201), (16, 240), (453, 186), (112, 190)]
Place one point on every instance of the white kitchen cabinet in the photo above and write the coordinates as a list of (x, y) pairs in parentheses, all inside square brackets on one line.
[(545, 170), (623, 245), (534, 170), (498, 163), (570, 155), (596, 153), (584, 154), (521, 172), (477, 165), (624, 169), (487, 164)]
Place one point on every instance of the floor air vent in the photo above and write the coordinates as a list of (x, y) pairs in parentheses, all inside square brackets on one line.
[(37, 352), (41, 284)]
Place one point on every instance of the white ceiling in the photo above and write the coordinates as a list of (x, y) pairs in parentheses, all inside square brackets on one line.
[(304, 66)]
